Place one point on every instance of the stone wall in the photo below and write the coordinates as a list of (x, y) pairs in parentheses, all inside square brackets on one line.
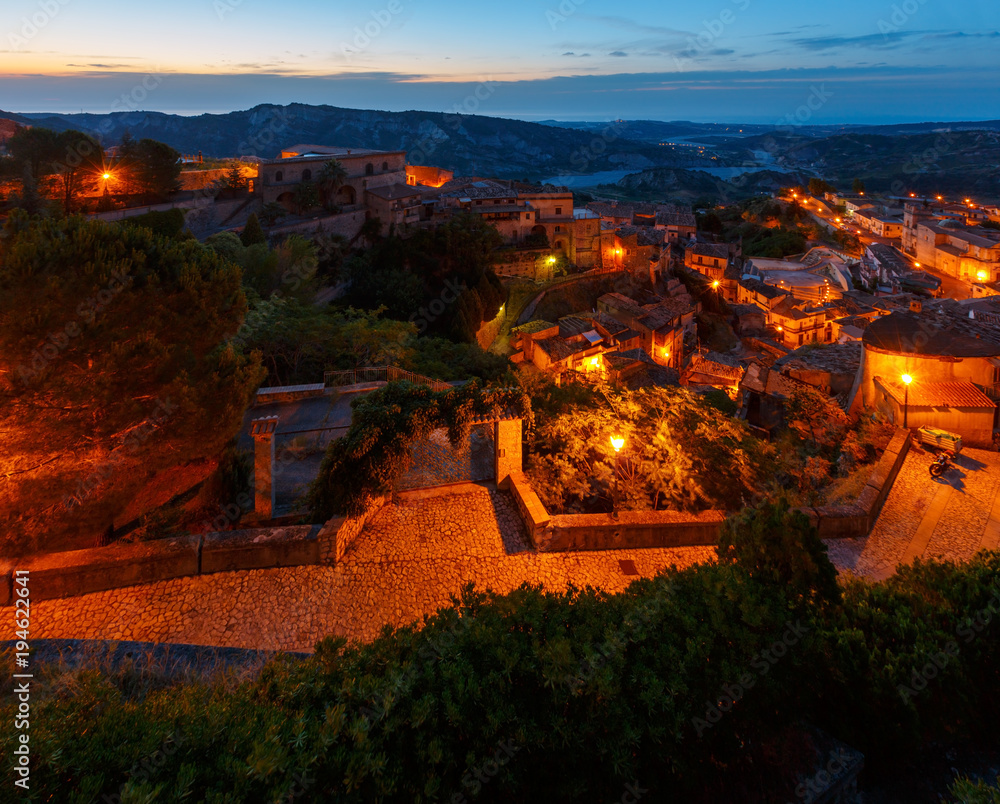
[(340, 532), (346, 224), (80, 572), (637, 529), (488, 332), (288, 393)]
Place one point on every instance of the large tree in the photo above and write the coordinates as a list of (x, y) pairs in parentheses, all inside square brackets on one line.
[(151, 167), (115, 364), (71, 161)]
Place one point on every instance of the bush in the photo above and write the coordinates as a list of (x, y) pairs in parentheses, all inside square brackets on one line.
[(166, 223)]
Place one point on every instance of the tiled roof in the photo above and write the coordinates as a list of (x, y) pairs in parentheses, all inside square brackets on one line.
[(533, 326), (762, 288), (392, 192), (680, 219), (945, 331), (937, 394), (720, 250), (558, 349), (836, 358)]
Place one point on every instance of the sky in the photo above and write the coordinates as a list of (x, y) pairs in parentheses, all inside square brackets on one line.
[(753, 61)]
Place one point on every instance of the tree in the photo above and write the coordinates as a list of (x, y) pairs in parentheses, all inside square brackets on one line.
[(36, 147), (271, 213), (779, 547), (78, 165), (818, 187), (681, 453), (253, 233), (234, 180), (121, 368), (152, 167), (331, 178), (858, 186)]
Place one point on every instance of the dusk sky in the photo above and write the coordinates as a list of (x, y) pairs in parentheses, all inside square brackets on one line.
[(723, 60)]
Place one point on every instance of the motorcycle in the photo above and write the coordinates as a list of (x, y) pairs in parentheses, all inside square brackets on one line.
[(941, 464)]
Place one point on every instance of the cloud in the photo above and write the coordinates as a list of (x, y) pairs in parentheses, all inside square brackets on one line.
[(618, 53)]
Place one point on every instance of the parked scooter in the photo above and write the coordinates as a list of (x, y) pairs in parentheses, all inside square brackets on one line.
[(942, 463)]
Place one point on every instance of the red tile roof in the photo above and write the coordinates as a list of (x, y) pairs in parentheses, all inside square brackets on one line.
[(938, 394)]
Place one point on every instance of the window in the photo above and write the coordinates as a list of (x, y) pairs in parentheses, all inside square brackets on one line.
[(385, 167), (558, 210), (307, 175), (279, 176), (558, 228), (369, 169), (801, 338)]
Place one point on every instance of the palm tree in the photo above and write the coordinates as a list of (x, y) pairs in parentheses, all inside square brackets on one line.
[(331, 178)]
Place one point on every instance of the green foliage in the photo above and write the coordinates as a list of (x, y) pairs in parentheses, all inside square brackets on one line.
[(818, 187), (272, 213), (120, 364), (287, 270), (375, 452), (70, 160), (779, 547), (149, 168), (965, 791), (680, 452), (253, 233), (992, 225), (234, 180), (165, 223), (773, 243), (441, 279), (858, 186), (299, 341)]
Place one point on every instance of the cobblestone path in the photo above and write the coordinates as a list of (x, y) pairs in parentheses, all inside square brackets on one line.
[(410, 559), (414, 556), (953, 517)]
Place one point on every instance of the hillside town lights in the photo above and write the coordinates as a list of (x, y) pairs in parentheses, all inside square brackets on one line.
[(617, 442), (907, 379)]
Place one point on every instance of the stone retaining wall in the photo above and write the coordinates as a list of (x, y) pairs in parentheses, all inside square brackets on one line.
[(340, 532), (638, 529), (80, 572)]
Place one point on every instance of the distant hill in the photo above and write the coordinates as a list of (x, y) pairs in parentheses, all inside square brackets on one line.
[(687, 185), (467, 144), (950, 162)]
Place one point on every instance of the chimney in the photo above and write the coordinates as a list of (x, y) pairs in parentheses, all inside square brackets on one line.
[(916, 306)]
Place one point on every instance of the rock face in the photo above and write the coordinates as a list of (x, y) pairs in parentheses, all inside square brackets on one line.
[(467, 144)]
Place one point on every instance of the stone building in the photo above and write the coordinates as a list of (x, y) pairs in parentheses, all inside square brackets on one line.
[(366, 170), (952, 358)]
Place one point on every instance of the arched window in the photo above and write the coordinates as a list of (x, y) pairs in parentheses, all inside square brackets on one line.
[(369, 169), (307, 175), (385, 167), (279, 176)]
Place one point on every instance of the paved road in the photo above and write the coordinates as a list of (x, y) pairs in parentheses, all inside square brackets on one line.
[(951, 518)]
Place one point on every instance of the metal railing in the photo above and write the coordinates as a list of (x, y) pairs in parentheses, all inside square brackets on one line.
[(379, 374)]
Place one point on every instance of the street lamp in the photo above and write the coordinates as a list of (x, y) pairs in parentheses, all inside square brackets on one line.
[(617, 442), (907, 379)]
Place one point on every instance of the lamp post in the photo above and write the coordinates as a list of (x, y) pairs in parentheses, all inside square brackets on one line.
[(617, 442), (907, 379)]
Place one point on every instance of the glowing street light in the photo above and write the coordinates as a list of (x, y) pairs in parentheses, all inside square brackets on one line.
[(982, 276), (907, 379), (715, 284), (617, 441)]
